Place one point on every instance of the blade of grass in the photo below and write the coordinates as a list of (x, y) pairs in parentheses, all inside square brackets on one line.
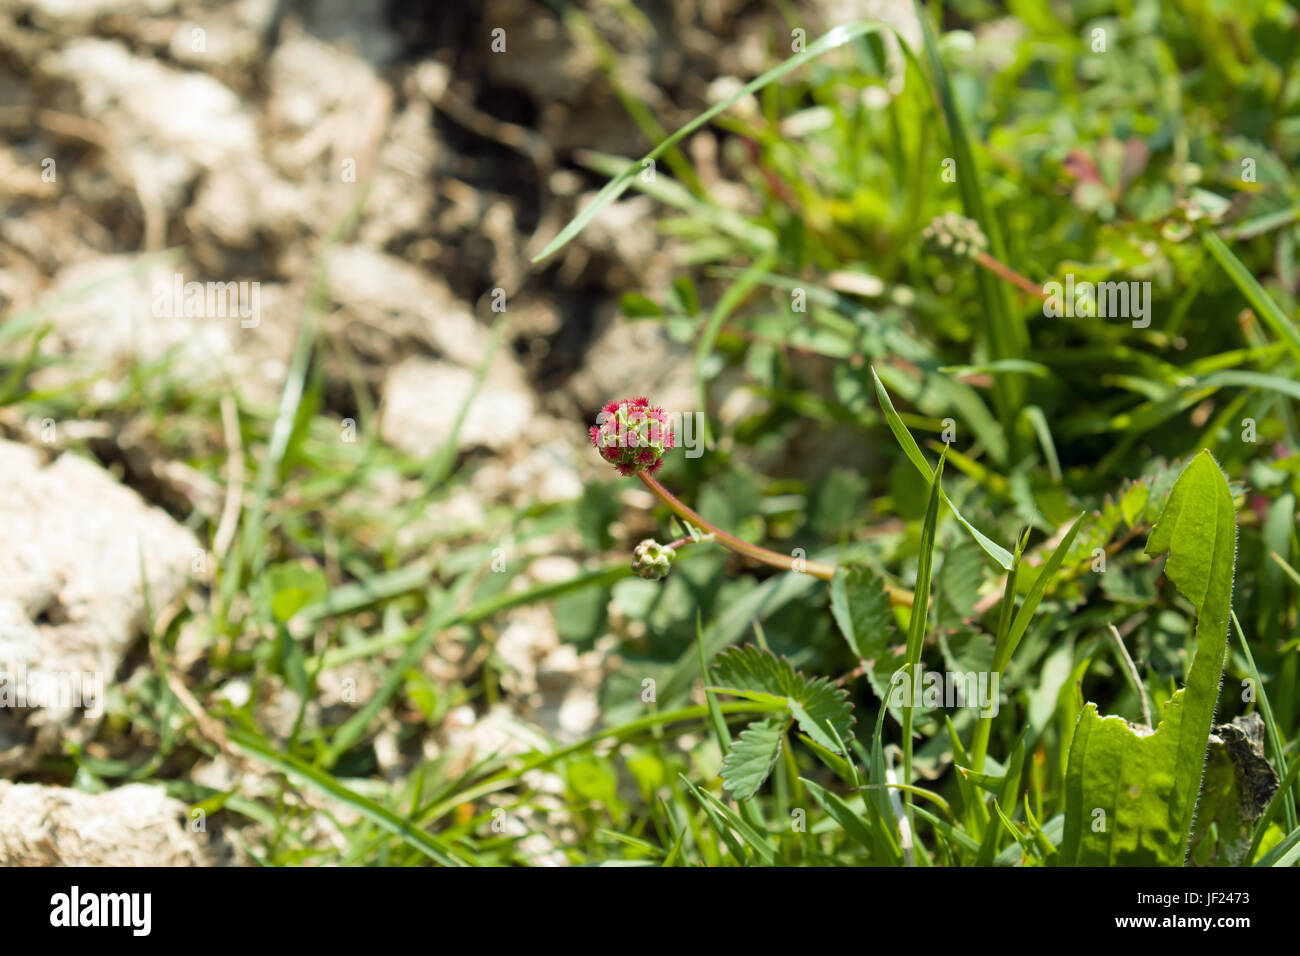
[(1268, 311), (1006, 331), (619, 184), (410, 834), (916, 628), (913, 452)]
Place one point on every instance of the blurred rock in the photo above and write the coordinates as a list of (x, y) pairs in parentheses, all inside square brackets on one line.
[(135, 825), (570, 683), (167, 124), (123, 308), (400, 304), (649, 363), (547, 467), (540, 56), (247, 200), (423, 397), (362, 28), (79, 14), (73, 544), (401, 197)]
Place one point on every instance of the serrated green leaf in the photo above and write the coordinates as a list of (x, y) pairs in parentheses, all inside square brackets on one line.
[(1130, 798), (958, 584), (860, 605), (819, 715), (1133, 502), (759, 674), (752, 756)]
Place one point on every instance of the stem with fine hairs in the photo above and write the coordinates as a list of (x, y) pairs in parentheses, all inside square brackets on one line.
[(899, 596)]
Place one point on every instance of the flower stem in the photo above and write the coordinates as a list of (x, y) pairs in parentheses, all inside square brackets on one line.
[(819, 569), (1003, 271)]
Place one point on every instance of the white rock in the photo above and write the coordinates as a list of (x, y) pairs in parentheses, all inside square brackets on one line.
[(73, 543), (172, 123), (119, 309), (397, 298), (135, 825), (422, 398)]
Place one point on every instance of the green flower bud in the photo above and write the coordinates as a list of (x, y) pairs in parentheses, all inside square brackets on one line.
[(652, 560)]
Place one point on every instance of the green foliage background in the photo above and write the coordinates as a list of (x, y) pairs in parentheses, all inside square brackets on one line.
[(856, 349)]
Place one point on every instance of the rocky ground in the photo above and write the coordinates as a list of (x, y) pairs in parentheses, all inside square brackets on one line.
[(377, 168)]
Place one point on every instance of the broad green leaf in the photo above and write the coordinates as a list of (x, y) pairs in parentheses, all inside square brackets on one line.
[(860, 605), (1130, 794), (1133, 501), (720, 732), (837, 503), (292, 586), (861, 608), (637, 306)]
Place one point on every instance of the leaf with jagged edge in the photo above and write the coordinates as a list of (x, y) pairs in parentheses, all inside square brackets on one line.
[(813, 701), (860, 606), (1145, 785), (752, 756), (957, 585), (1134, 503)]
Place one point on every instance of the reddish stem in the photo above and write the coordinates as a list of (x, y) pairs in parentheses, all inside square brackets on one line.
[(785, 562), (1011, 275)]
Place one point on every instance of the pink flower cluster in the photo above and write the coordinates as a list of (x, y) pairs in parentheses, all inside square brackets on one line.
[(632, 435)]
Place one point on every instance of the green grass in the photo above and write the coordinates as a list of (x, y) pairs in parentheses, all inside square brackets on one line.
[(936, 431)]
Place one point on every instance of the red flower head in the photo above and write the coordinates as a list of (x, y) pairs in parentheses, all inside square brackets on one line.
[(632, 435)]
